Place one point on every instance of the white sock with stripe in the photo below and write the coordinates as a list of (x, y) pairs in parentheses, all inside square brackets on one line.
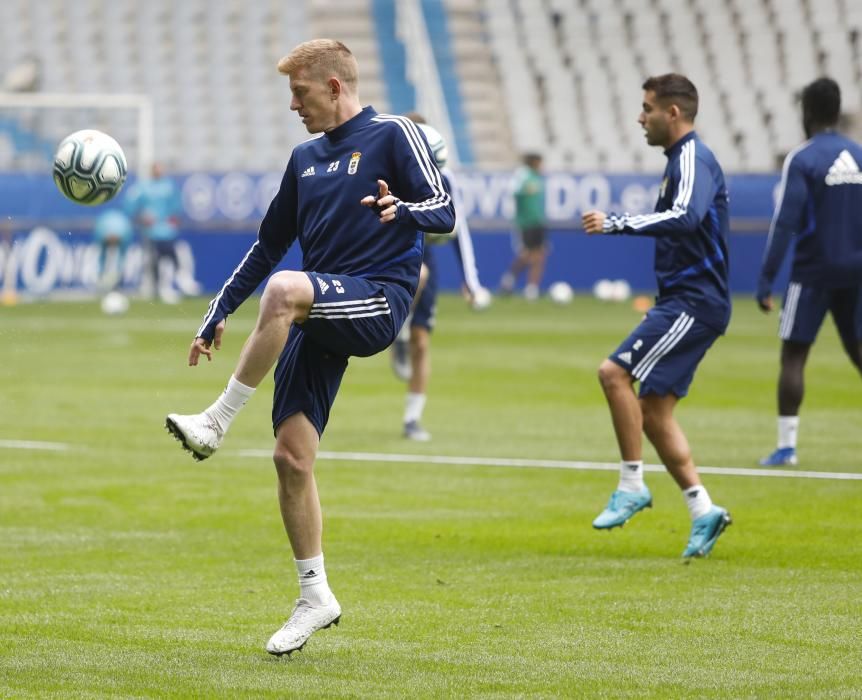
[(631, 476), (312, 580), (698, 501)]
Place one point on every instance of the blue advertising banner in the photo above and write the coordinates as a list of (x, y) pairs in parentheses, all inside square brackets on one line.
[(242, 197), (45, 243)]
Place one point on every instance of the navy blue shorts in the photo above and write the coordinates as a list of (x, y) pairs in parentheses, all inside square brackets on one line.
[(425, 308), (350, 316), (805, 307), (663, 352)]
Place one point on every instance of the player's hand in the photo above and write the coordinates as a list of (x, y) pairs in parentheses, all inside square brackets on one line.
[(764, 294), (765, 303), (593, 221), (201, 346), (385, 203)]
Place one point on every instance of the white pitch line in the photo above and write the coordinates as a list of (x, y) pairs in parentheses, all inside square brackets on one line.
[(553, 464), (34, 445)]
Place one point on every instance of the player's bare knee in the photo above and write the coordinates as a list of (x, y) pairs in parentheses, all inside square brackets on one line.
[(281, 294), (612, 375), (291, 466)]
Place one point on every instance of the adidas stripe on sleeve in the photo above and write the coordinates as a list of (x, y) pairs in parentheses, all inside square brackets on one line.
[(695, 191)]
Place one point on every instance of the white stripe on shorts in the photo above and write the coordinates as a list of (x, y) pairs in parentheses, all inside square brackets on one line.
[(356, 308), (665, 344), (357, 302), (346, 313), (788, 313)]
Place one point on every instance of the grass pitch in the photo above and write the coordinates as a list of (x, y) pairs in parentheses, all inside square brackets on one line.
[(127, 569)]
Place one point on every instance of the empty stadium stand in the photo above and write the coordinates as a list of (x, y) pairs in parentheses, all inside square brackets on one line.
[(561, 77), (572, 71)]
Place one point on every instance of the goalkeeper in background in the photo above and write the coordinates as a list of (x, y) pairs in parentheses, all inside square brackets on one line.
[(155, 206), (113, 233)]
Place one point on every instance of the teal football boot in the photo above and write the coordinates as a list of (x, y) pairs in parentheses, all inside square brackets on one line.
[(622, 506), (705, 530)]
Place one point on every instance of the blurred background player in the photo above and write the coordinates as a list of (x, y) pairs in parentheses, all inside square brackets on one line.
[(412, 355), (531, 247), (113, 232), (820, 208), (411, 351), (690, 227), (155, 207)]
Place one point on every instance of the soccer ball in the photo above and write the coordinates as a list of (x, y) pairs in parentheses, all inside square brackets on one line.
[(482, 299), (115, 303), (621, 290), (603, 290), (89, 167), (561, 293), (437, 144)]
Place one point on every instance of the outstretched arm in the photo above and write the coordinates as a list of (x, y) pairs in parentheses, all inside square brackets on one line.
[(695, 192), (201, 346), (277, 232)]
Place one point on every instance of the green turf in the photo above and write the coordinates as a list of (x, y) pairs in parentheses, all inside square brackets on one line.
[(127, 569)]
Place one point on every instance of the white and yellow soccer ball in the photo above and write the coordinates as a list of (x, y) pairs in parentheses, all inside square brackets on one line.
[(89, 167)]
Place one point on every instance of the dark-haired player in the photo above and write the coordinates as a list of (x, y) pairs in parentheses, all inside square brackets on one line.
[(692, 310), (820, 207)]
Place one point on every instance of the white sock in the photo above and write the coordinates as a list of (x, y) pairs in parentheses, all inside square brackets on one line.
[(631, 476), (698, 501), (226, 406), (413, 407), (312, 580), (788, 427)]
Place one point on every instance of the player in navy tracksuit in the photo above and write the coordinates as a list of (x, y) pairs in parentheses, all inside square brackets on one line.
[(820, 207), (692, 310), (357, 200), (411, 351)]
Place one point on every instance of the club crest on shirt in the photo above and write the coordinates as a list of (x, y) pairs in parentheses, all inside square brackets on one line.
[(663, 188), (353, 165)]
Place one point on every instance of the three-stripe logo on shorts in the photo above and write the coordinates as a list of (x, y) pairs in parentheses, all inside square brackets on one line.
[(664, 345), (360, 308), (788, 313)]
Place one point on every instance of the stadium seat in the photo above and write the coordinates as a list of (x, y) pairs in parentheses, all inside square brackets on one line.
[(553, 76)]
